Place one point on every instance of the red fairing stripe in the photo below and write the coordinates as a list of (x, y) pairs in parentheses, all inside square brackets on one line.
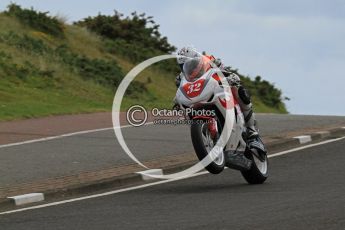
[(227, 104), (234, 91), (216, 77)]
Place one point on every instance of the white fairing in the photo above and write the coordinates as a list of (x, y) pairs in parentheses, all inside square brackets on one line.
[(213, 93), (208, 90)]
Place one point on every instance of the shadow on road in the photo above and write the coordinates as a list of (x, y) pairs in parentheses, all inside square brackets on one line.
[(222, 187)]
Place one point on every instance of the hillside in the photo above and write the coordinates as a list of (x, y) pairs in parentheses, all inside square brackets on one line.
[(49, 67)]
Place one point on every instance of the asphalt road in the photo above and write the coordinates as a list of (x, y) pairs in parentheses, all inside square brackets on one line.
[(305, 190), (98, 150)]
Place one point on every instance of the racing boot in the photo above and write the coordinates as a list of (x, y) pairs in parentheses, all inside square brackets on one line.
[(253, 138)]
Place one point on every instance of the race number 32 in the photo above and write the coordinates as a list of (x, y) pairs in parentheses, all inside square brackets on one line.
[(194, 89)]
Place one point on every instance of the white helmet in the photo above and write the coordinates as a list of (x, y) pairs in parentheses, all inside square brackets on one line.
[(186, 53)]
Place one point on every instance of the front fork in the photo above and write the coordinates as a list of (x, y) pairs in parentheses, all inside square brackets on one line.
[(213, 128), (211, 125)]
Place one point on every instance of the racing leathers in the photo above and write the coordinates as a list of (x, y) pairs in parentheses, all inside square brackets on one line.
[(240, 93)]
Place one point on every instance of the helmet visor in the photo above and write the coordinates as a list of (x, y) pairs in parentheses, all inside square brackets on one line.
[(194, 68)]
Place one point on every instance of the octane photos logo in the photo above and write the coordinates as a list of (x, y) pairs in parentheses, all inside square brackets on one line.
[(137, 115), (132, 111), (121, 89)]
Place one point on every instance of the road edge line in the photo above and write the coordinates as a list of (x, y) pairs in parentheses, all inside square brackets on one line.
[(64, 135)]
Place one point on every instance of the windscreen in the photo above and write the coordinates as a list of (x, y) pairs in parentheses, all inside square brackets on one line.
[(194, 68)]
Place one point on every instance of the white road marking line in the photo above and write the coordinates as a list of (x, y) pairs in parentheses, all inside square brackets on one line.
[(53, 137), (63, 135), (27, 198), (156, 183), (102, 194), (305, 147), (303, 139)]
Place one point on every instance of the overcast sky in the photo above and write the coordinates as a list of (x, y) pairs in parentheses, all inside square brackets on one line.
[(299, 44)]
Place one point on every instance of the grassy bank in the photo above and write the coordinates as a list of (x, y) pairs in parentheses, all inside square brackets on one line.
[(48, 67)]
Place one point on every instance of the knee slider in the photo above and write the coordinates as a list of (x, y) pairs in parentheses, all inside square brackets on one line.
[(244, 96)]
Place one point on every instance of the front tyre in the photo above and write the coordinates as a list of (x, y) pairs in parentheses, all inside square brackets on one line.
[(203, 143), (258, 172)]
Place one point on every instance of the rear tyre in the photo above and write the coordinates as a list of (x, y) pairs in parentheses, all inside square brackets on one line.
[(258, 172), (203, 144)]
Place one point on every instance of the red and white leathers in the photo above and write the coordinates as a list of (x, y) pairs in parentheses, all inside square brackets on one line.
[(240, 93)]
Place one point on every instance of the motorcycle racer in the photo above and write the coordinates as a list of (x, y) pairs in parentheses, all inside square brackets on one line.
[(240, 93)]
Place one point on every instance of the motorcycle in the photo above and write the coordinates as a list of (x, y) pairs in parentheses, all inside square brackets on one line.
[(209, 95)]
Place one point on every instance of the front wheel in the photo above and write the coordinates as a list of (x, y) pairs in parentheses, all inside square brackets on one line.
[(258, 172), (203, 143)]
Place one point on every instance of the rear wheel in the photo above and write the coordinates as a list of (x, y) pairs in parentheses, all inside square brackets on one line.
[(258, 172), (203, 143)]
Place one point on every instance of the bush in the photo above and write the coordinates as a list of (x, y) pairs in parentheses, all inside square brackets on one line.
[(136, 38), (137, 53), (103, 72), (24, 43), (106, 73), (267, 92), (135, 29), (270, 95), (37, 20), (10, 69)]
